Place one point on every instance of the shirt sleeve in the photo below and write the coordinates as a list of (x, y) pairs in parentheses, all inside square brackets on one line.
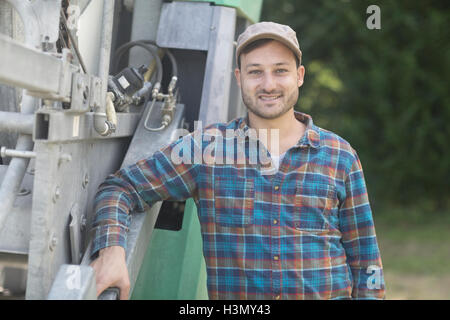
[(358, 237), (162, 176)]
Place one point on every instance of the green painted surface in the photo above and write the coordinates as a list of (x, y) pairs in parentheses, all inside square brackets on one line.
[(250, 9), (174, 267)]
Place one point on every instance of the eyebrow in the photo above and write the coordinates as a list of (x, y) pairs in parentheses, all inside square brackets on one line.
[(258, 64)]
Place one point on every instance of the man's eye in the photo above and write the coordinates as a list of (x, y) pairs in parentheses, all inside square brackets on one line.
[(281, 70), (254, 72)]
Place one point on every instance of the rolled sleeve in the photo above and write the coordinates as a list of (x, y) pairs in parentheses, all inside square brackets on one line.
[(358, 237), (137, 188)]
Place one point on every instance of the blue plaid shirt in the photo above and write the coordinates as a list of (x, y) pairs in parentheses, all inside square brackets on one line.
[(303, 232)]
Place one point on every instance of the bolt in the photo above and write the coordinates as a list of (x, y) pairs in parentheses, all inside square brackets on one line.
[(56, 194), (53, 242), (85, 94), (85, 180), (83, 223)]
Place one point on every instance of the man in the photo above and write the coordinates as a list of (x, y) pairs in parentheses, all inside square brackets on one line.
[(304, 231)]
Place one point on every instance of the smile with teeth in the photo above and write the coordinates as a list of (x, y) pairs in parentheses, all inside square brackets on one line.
[(269, 97)]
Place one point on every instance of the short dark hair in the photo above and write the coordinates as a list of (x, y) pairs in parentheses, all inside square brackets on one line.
[(257, 44)]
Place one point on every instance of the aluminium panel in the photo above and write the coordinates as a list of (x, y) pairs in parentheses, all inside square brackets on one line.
[(185, 25), (60, 183), (15, 237)]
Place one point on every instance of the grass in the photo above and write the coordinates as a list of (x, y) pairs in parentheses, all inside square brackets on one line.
[(415, 250)]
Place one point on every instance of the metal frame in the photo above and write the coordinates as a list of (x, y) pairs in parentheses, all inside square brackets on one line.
[(28, 73), (62, 179), (16, 122), (216, 90), (142, 223), (67, 141), (216, 36)]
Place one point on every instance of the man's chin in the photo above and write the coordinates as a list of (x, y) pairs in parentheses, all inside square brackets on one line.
[(269, 112)]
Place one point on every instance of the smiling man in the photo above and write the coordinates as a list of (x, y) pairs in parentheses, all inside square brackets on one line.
[(303, 232)]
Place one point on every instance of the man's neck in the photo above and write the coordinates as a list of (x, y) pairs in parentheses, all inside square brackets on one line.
[(290, 130)]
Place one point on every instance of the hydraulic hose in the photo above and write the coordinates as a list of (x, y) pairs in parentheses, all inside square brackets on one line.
[(122, 49)]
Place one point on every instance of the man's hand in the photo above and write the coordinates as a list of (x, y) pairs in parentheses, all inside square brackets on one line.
[(111, 271)]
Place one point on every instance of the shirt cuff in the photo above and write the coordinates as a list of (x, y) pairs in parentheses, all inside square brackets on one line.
[(107, 236)]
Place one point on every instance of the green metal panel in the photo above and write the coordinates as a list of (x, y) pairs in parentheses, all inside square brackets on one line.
[(250, 9), (174, 267)]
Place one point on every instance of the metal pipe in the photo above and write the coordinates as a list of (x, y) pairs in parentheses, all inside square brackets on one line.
[(17, 167), (101, 124), (14, 122), (16, 170), (11, 153)]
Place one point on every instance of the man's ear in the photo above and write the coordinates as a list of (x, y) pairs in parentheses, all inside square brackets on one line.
[(237, 74), (300, 75)]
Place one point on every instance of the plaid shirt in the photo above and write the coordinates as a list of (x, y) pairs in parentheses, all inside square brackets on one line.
[(304, 232)]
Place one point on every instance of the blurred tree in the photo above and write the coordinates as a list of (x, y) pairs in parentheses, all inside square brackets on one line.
[(385, 91)]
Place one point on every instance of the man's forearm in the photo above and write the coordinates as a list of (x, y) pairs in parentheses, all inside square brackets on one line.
[(136, 188)]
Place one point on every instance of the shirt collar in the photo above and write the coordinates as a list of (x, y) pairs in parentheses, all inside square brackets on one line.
[(311, 136)]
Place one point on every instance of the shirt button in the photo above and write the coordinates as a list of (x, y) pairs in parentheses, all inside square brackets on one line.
[(275, 221), (277, 297), (276, 188), (276, 258)]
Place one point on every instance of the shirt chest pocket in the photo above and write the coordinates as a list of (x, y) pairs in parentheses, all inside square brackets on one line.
[(314, 205), (234, 201)]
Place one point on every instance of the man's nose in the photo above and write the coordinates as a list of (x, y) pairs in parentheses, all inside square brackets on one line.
[(268, 83)]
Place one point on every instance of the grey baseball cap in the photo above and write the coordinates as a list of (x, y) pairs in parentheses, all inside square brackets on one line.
[(269, 30)]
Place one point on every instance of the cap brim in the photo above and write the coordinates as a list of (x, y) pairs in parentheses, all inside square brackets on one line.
[(272, 36)]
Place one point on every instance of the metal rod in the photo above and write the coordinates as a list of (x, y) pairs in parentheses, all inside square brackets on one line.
[(16, 170), (105, 49), (16, 153), (101, 124), (16, 122), (73, 40)]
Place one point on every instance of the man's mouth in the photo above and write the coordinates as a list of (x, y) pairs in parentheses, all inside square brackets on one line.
[(269, 97)]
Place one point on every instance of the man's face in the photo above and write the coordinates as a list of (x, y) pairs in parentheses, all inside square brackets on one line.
[(269, 80)]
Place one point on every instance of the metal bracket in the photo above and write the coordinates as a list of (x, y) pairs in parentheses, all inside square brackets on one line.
[(80, 93), (86, 93), (48, 76)]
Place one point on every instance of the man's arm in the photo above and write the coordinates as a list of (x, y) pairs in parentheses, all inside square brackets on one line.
[(134, 188), (358, 237)]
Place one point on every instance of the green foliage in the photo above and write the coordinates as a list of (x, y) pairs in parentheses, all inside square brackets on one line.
[(385, 91)]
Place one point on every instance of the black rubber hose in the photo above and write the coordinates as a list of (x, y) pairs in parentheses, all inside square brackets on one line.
[(122, 49), (173, 61)]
